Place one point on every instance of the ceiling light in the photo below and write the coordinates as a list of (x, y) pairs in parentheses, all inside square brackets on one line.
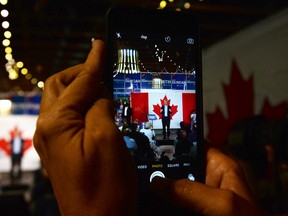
[(40, 84), (128, 61), (3, 2), (8, 67), (4, 13), (34, 81), (13, 74), (162, 4), (8, 50), (19, 64), (8, 56), (28, 76), (5, 24), (11, 61), (7, 34), (187, 5), (6, 42), (24, 71)]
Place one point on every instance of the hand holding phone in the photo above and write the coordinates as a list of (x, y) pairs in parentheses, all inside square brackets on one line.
[(154, 71), (75, 139), (92, 172)]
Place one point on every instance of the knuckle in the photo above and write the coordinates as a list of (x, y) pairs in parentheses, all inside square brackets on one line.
[(37, 144), (232, 168), (52, 80), (104, 134), (235, 169), (44, 125), (181, 188), (87, 68), (38, 132)]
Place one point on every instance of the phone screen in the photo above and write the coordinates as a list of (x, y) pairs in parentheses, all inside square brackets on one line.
[(154, 68)]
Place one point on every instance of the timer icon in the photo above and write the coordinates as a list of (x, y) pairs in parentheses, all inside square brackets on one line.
[(167, 39)]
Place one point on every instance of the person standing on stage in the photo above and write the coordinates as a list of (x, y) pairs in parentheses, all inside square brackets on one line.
[(166, 112), (127, 112), (17, 145), (193, 120)]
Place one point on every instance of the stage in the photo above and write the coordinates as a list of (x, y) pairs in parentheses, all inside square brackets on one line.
[(168, 141)]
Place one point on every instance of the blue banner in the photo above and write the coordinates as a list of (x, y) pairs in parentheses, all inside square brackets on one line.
[(179, 82), (26, 104), (166, 81), (146, 81), (191, 82), (124, 84)]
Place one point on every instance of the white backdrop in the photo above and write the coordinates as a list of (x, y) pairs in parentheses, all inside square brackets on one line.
[(26, 124), (262, 51)]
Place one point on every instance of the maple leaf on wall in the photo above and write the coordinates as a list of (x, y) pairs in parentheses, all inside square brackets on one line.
[(157, 108), (5, 145), (239, 95)]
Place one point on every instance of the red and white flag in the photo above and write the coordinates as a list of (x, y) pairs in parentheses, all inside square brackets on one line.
[(150, 102)]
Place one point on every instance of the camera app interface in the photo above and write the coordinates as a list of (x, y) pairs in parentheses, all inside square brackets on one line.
[(154, 91)]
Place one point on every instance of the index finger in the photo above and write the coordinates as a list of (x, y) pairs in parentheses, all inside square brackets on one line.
[(96, 58), (76, 87), (84, 89)]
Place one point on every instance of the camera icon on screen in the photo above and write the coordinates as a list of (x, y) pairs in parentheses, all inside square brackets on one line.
[(190, 41)]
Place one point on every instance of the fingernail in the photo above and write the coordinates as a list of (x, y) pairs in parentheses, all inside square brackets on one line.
[(92, 41)]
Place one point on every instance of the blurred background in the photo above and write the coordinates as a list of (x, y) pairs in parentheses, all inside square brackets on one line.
[(245, 75)]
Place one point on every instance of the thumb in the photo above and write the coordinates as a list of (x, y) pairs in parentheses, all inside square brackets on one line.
[(193, 196)]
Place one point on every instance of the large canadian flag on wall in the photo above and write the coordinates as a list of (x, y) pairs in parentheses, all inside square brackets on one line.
[(149, 102), (245, 76)]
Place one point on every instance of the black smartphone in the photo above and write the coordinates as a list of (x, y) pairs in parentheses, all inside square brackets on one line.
[(154, 74)]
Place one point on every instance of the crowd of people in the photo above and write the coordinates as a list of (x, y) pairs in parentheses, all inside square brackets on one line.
[(142, 142)]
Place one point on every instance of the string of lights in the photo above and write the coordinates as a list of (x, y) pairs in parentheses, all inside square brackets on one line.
[(13, 67), (181, 4), (16, 68), (161, 56)]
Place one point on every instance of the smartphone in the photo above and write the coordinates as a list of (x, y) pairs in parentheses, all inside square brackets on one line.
[(154, 73)]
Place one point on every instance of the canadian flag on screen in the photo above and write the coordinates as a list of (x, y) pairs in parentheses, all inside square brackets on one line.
[(150, 102)]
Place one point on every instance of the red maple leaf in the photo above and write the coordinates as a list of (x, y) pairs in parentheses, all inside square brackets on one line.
[(6, 146), (157, 108), (239, 94)]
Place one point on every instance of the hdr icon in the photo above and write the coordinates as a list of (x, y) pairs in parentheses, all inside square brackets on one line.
[(190, 41)]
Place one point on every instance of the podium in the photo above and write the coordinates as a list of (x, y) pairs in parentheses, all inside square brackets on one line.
[(151, 117)]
